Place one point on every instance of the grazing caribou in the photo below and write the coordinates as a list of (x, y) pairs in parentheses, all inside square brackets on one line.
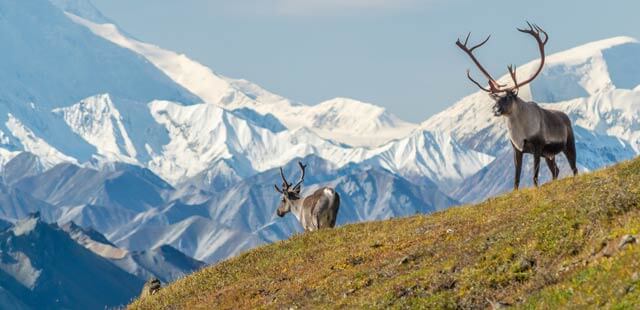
[(316, 211), (532, 129)]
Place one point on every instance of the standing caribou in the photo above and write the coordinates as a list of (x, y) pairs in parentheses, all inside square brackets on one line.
[(316, 211), (532, 129)]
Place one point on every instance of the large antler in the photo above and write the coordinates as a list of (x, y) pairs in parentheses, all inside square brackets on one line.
[(285, 185), (535, 31), (297, 186), (493, 85)]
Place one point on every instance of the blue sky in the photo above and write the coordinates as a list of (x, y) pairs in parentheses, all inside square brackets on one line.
[(396, 53)]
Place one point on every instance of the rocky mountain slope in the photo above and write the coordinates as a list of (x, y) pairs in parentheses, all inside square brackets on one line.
[(44, 268)]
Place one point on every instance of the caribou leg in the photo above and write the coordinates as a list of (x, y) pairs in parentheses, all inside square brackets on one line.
[(570, 153), (536, 166), (551, 163), (517, 158)]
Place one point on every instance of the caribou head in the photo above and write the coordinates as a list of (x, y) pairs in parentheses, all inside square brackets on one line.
[(504, 95), (289, 193)]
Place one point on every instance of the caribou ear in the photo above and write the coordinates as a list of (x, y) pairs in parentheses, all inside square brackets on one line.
[(294, 195), (494, 96)]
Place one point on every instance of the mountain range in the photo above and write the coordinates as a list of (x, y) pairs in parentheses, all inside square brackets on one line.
[(155, 164)]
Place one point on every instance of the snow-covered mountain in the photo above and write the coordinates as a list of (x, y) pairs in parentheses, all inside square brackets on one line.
[(54, 62), (343, 120), (99, 113)]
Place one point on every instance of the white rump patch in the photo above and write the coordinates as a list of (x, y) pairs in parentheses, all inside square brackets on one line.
[(329, 191)]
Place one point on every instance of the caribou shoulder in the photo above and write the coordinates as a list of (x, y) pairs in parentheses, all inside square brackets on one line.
[(310, 202)]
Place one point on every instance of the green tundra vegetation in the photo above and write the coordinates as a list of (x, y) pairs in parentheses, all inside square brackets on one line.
[(568, 244)]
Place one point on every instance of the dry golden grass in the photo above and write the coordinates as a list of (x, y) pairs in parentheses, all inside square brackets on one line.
[(552, 247)]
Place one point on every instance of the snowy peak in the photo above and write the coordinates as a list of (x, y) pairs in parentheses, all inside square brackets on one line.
[(349, 115), (588, 50), (99, 123), (83, 8), (344, 120), (339, 111), (613, 113), (584, 71), (49, 50), (434, 155), (199, 79)]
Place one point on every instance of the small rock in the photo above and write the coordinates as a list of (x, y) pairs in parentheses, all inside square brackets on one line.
[(498, 304), (626, 239), (446, 284), (609, 250), (349, 292), (525, 264), (404, 260), (449, 231), (355, 260), (151, 287)]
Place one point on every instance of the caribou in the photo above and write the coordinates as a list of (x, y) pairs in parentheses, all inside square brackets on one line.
[(532, 129), (316, 211)]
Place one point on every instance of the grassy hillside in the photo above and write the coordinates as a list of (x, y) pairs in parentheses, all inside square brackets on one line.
[(557, 246)]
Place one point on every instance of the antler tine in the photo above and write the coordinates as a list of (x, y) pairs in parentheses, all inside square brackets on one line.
[(480, 44), (512, 71), (494, 87), (465, 45), (546, 35), (530, 30), (535, 31), (285, 184), (278, 189), (475, 82), (467, 39), (302, 167)]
